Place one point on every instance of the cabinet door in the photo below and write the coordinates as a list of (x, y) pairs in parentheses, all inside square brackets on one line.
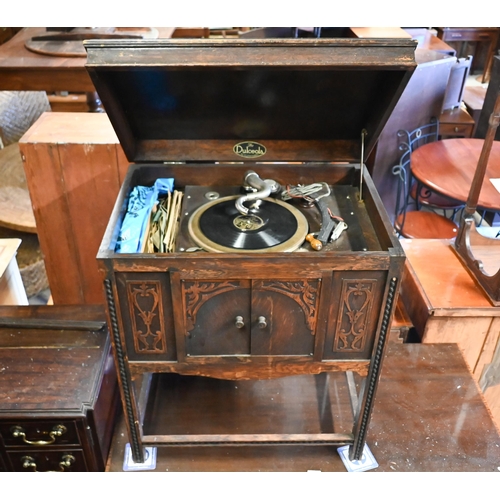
[(284, 315), (257, 317), (217, 317)]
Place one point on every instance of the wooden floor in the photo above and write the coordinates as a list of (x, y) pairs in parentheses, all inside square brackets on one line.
[(429, 416)]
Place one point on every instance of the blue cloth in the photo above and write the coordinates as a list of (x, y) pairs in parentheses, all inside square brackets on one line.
[(135, 222)]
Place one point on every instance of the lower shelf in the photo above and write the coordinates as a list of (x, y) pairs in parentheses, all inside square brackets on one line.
[(184, 410)]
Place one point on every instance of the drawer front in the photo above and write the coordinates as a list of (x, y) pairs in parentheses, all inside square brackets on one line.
[(39, 433), (47, 461), (467, 35), (451, 129)]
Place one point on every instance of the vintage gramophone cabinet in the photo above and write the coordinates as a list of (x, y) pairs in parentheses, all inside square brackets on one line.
[(253, 301)]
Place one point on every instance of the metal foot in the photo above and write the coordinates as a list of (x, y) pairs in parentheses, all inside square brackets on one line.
[(367, 461), (149, 459)]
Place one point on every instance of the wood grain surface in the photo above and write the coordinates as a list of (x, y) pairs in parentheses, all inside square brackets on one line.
[(22, 69), (72, 197)]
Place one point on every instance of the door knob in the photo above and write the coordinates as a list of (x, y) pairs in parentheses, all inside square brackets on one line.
[(239, 323), (262, 322)]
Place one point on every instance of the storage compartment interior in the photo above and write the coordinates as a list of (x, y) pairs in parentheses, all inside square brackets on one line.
[(223, 180)]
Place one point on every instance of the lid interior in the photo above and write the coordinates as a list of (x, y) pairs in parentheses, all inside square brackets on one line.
[(257, 104), (161, 110)]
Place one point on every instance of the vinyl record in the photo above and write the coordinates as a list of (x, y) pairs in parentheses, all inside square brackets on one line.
[(276, 226)]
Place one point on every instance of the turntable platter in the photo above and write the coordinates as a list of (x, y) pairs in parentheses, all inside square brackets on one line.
[(217, 226)]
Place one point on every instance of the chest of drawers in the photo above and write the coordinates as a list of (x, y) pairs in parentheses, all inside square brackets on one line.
[(58, 396)]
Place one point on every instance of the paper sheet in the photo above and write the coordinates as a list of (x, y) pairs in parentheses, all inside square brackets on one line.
[(496, 183)]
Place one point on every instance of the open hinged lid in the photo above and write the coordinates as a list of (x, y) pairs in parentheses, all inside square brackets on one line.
[(241, 100)]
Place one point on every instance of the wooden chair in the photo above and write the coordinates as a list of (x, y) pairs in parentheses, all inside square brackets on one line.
[(415, 223), (423, 196)]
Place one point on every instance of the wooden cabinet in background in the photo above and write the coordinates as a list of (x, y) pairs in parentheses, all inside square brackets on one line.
[(445, 305), (74, 168), (455, 122)]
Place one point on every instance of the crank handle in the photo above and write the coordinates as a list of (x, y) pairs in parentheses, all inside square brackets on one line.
[(315, 243)]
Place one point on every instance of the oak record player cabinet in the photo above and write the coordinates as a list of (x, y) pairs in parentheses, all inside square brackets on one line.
[(315, 108)]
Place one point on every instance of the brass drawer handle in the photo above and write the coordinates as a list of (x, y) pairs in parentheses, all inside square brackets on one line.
[(57, 431), (66, 462), (29, 463), (262, 322), (239, 323)]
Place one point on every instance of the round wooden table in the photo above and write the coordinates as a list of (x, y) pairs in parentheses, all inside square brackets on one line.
[(447, 167)]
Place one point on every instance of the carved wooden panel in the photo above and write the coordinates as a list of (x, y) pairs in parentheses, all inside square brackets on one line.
[(146, 313), (197, 293), (304, 292), (145, 305), (354, 314)]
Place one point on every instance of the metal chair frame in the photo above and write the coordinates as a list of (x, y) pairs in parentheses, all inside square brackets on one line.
[(404, 198), (423, 195)]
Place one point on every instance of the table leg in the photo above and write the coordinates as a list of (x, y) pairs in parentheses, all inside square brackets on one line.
[(367, 395), (126, 384), (489, 60), (94, 102)]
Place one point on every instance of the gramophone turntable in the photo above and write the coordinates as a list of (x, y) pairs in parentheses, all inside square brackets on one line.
[(267, 279), (257, 218)]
